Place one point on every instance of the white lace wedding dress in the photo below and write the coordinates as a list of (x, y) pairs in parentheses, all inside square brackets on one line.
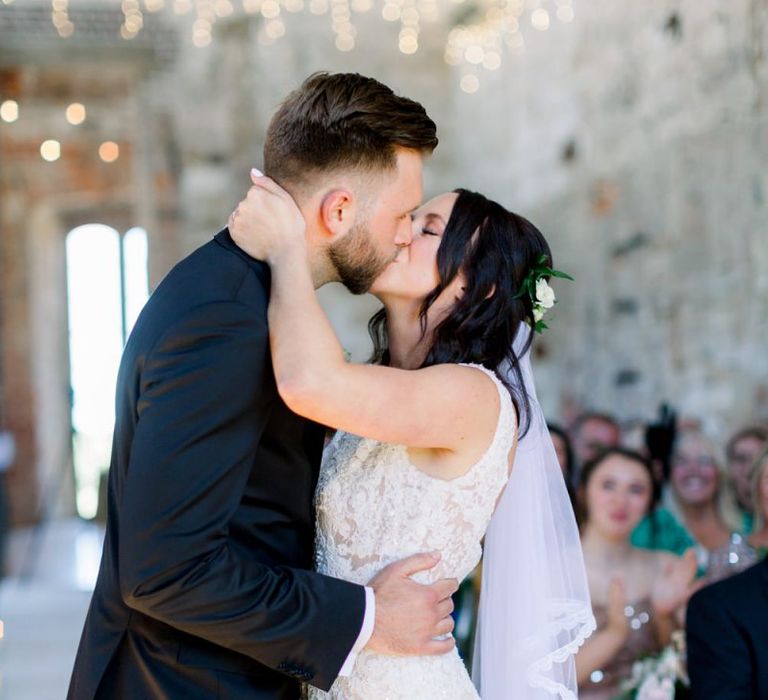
[(373, 508)]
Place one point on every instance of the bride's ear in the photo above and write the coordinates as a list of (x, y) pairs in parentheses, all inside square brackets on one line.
[(337, 211)]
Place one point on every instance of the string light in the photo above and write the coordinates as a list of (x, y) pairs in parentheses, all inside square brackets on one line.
[(50, 150), (540, 19), (341, 23), (75, 113), (60, 18), (223, 8), (318, 7), (109, 151), (489, 28), (270, 9), (410, 26), (565, 13), (182, 7), (9, 111), (470, 83)]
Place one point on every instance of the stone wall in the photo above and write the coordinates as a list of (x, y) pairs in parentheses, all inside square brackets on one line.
[(637, 139)]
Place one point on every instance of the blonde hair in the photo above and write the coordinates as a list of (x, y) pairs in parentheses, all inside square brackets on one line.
[(758, 469), (726, 503)]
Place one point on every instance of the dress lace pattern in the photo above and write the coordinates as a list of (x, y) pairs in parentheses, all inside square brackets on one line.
[(375, 507)]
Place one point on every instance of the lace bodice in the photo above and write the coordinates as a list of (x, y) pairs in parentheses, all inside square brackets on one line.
[(375, 507)]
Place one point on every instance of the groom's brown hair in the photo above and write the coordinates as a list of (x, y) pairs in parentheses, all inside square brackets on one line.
[(342, 121)]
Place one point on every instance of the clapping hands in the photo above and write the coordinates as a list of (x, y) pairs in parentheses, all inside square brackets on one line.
[(617, 622), (675, 584)]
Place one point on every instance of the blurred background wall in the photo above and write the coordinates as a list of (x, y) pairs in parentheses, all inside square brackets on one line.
[(634, 134)]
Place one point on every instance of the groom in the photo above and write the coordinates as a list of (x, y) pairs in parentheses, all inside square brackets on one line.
[(205, 589)]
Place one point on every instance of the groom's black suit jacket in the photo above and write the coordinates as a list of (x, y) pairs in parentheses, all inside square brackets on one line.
[(204, 589), (727, 634)]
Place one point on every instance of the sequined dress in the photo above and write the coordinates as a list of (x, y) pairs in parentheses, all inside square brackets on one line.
[(605, 682), (375, 507)]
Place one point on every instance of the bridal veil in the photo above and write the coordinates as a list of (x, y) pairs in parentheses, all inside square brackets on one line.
[(535, 609)]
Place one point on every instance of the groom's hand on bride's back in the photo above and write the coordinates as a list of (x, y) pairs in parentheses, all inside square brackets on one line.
[(410, 615)]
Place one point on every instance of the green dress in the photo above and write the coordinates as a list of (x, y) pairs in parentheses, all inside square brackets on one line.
[(668, 534), (747, 523)]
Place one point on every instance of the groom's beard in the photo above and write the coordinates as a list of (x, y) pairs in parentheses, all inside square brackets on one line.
[(356, 260)]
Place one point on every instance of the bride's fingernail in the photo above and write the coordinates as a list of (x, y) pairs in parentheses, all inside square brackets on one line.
[(256, 172)]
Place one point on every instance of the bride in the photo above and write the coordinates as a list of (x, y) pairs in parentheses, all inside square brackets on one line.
[(438, 439)]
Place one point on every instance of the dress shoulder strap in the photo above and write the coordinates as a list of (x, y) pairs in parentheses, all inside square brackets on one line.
[(506, 427)]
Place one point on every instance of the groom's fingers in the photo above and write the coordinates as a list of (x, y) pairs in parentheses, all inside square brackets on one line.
[(267, 183), (445, 588), (435, 647), (415, 563), (445, 626), (444, 608), (257, 177), (263, 186)]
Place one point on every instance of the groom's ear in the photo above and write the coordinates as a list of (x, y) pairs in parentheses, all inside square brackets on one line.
[(338, 211)]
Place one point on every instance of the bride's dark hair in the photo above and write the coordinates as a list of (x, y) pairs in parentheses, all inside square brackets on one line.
[(495, 249)]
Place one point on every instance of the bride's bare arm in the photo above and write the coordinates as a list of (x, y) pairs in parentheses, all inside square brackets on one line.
[(444, 406)]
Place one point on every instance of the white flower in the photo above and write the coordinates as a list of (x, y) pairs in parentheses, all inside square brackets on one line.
[(668, 663), (545, 295), (538, 313), (654, 688)]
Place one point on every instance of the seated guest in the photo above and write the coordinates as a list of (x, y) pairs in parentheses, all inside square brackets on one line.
[(564, 453), (660, 529), (759, 537), (727, 638), (635, 592), (701, 496), (563, 449), (660, 440), (741, 453), (592, 433)]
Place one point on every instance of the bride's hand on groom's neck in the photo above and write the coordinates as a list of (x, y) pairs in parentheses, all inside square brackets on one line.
[(409, 615), (267, 224)]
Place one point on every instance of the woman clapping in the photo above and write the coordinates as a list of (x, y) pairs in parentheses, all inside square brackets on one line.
[(636, 593)]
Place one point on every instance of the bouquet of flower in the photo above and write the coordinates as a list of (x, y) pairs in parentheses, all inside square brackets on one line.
[(661, 677)]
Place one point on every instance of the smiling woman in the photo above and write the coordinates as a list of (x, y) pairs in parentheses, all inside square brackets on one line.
[(635, 593), (701, 495)]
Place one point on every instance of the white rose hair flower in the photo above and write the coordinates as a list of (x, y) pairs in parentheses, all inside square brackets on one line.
[(536, 286), (545, 295)]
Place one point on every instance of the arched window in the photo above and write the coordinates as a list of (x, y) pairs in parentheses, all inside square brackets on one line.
[(107, 286)]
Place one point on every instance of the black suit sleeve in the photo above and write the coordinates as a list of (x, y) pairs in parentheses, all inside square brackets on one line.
[(719, 659), (201, 413)]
